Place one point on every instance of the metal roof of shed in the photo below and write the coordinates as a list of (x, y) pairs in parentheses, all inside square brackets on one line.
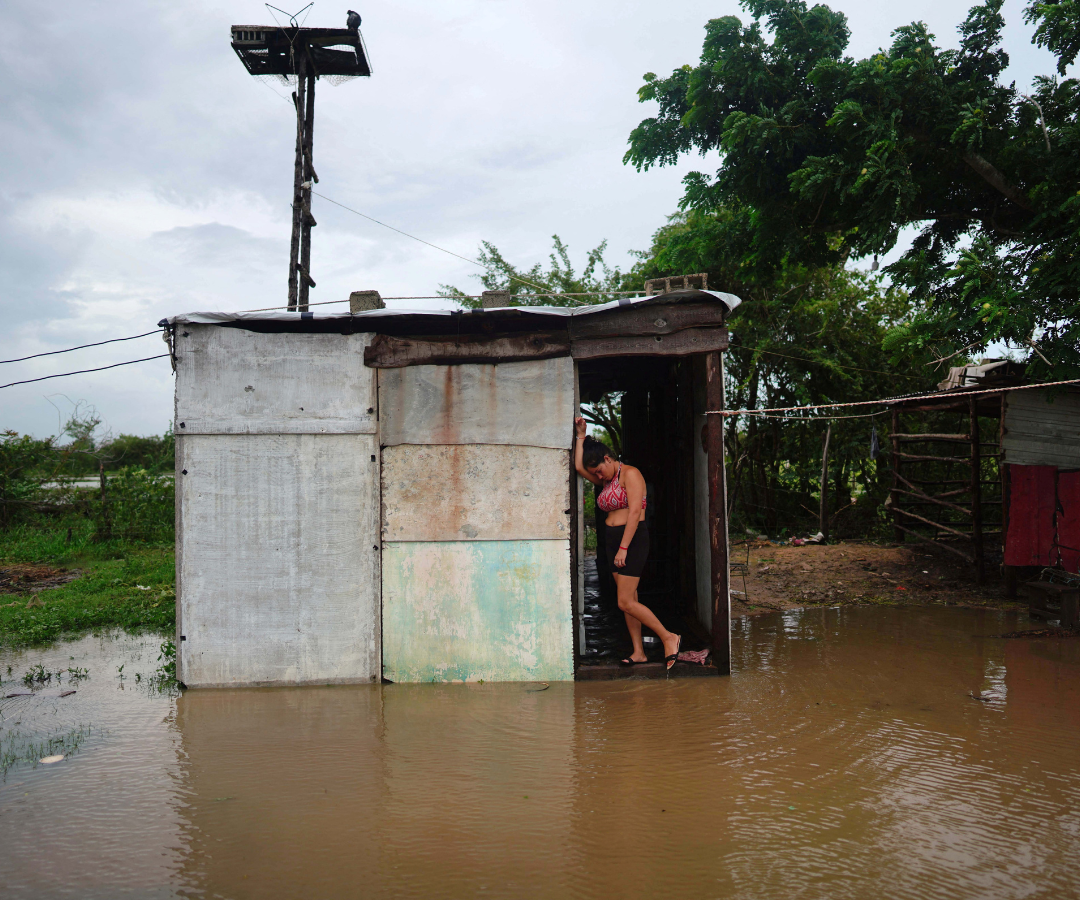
[(730, 302)]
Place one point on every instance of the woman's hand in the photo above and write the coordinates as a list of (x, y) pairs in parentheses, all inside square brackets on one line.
[(620, 559), (581, 427)]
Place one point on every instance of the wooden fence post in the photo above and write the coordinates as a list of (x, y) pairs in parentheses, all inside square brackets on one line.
[(976, 493), (718, 518), (823, 507)]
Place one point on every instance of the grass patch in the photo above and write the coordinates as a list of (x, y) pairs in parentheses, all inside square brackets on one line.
[(123, 583)]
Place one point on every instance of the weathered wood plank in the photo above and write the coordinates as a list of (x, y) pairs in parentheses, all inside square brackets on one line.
[(477, 610), (387, 352), (232, 381), (680, 343), (718, 520), (474, 492), (650, 320), (529, 404), (277, 559), (962, 438)]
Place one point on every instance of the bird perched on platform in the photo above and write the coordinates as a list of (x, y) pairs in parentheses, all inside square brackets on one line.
[(352, 21)]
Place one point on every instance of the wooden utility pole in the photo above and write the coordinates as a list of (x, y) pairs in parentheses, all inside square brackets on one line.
[(718, 516), (298, 54)]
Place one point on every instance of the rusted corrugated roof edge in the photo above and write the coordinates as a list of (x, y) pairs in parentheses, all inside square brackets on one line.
[(730, 301)]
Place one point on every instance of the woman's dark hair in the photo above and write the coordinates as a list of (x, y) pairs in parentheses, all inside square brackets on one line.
[(594, 451)]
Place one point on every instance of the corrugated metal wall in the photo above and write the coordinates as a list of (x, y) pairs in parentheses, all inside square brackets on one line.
[(277, 525), (476, 525)]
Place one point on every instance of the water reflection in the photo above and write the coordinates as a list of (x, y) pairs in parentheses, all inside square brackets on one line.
[(848, 757)]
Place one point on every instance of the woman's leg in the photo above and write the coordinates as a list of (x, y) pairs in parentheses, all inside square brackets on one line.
[(640, 614)]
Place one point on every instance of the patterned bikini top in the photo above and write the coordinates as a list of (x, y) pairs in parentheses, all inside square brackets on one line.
[(613, 496)]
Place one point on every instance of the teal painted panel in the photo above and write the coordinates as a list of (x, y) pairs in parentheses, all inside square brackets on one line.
[(477, 610)]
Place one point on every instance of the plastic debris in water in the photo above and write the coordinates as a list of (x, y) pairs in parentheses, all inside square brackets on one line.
[(49, 760)]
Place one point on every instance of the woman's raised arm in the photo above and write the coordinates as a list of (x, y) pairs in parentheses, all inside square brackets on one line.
[(580, 427)]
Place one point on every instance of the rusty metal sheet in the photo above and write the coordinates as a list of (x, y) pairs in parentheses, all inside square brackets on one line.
[(1039, 432), (277, 559), (523, 403), (477, 492), (477, 610), (232, 381)]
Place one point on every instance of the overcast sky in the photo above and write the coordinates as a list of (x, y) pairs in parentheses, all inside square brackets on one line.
[(145, 173)]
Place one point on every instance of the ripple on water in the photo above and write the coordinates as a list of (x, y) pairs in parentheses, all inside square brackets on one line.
[(846, 757)]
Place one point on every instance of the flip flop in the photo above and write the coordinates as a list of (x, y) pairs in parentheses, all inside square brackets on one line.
[(671, 660), (628, 662)]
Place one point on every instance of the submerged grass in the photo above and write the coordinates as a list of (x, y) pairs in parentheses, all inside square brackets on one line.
[(122, 583)]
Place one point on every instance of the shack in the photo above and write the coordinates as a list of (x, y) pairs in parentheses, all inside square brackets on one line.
[(384, 494), (1000, 486)]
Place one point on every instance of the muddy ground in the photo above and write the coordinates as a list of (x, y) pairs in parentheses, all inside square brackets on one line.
[(786, 577), (30, 579)]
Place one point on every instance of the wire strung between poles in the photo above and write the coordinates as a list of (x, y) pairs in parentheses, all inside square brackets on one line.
[(84, 371), (886, 401), (80, 347)]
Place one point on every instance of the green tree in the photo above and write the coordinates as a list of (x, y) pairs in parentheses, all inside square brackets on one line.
[(559, 283), (824, 157), (801, 336)]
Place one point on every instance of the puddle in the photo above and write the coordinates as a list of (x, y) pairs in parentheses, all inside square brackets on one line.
[(857, 752)]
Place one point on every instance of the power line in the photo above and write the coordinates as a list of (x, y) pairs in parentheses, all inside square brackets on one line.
[(429, 244), (80, 347), (84, 371), (889, 400)]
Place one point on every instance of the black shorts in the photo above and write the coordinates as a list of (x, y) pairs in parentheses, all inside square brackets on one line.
[(636, 554)]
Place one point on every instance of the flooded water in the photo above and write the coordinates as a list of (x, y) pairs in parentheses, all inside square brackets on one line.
[(848, 757)]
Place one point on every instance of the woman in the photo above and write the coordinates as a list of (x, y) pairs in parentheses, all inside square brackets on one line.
[(627, 539)]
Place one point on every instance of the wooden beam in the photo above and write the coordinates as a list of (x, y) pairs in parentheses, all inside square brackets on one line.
[(386, 352), (894, 439), (680, 343), (927, 540), (963, 438), (976, 494), (718, 520), (932, 523), (647, 320)]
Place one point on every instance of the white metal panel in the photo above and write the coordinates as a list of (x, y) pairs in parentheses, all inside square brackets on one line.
[(1039, 432), (523, 403), (477, 492), (232, 381), (278, 559), (477, 610)]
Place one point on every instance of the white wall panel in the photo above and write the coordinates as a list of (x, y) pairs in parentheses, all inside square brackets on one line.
[(278, 559), (477, 492), (232, 381), (1040, 432), (522, 403)]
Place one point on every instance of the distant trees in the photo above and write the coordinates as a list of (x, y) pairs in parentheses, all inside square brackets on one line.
[(823, 158)]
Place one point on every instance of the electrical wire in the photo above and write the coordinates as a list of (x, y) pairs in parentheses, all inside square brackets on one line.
[(84, 371), (890, 400), (80, 347)]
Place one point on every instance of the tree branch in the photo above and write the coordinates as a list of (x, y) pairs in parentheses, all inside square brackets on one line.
[(997, 181)]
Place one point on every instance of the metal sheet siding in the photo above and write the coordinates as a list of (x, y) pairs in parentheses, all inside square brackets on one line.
[(478, 492), (277, 559), (1041, 433), (231, 381), (522, 403), (477, 610)]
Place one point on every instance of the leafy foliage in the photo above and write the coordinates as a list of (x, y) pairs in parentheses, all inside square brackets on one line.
[(824, 157), (562, 285), (801, 336)]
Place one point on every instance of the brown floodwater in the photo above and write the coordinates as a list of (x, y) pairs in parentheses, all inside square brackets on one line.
[(847, 757)]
